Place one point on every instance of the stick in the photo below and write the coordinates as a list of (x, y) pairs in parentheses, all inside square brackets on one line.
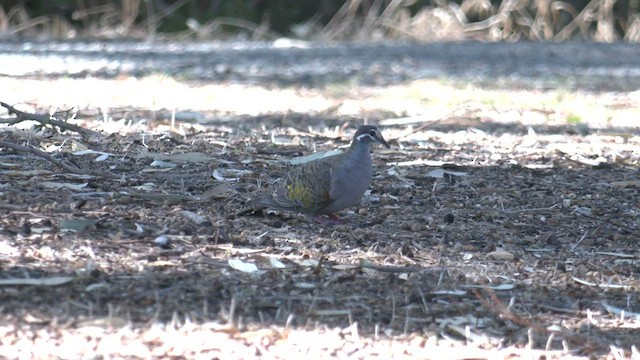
[(48, 157), (43, 119)]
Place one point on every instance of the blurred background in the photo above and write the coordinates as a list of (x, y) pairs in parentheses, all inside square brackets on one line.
[(363, 20)]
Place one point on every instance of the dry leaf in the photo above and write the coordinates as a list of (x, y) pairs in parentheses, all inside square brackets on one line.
[(276, 263), (220, 191), (77, 224), (501, 255), (440, 173), (56, 185), (242, 266), (624, 184), (52, 281)]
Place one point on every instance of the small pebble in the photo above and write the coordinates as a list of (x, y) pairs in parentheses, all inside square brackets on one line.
[(449, 218), (416, 227)]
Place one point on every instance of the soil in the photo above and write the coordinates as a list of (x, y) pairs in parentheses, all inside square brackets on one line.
[(515, 240)]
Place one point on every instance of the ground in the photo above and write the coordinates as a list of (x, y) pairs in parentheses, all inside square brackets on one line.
[(499, 230)]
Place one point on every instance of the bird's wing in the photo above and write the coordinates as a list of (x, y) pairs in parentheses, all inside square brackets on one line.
[(306, 188)]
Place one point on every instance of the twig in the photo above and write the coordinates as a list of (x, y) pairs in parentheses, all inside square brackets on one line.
[(531, 209), (44, 155), (610, 221), (48, 157), (393, 269), (318, 267), (579, 241), (43, 119)]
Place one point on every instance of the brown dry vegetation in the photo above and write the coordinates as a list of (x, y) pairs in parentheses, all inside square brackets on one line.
[(599, 20)]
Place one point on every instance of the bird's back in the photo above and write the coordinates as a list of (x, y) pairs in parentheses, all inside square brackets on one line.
[(304, 189)]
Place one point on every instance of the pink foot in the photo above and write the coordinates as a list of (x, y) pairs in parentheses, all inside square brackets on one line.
[(331, 219)]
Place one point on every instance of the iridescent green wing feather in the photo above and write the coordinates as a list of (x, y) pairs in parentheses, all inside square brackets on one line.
[(306, 188)]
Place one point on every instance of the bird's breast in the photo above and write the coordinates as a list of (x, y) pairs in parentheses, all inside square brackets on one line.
[(355, 178)]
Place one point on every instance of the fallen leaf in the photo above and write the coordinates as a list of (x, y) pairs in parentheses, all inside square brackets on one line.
[(77, 224), (440, 173), (624, 184), (55, 185), (102, 157), (52, 281), (501, 255), (583, 210), (193, 217), (145, 187), (104, 322), (220, 191), (242, 266), (276, 263), (6, 249), (163, 164)]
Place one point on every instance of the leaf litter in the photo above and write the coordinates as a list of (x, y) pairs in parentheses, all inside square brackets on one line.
[(476, 240)]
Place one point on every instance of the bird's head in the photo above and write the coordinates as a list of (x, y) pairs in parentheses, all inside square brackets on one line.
[(368, 134)]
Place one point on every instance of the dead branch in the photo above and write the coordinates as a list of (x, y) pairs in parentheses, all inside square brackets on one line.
[(43, 119), (70, 168)]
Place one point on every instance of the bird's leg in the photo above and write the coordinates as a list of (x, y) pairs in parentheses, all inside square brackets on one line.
[(331, 219)]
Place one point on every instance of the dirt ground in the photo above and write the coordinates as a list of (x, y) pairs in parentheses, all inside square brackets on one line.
[(479, 238)]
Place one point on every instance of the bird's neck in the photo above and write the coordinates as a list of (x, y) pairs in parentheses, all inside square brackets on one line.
[(358, 148)]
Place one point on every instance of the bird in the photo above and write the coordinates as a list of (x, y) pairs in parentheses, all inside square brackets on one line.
[(324, 186)]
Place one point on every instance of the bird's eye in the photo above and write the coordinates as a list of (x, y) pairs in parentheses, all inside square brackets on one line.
[(373, 133)]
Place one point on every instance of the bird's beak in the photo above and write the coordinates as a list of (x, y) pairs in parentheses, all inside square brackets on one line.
[(382, 141)]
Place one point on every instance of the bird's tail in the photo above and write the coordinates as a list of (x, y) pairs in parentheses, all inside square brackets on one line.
[(252, 206)]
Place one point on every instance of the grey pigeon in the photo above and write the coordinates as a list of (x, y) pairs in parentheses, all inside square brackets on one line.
[(326, 185)]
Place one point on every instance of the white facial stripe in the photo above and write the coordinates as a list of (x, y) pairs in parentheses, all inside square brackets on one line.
[(362, 136)]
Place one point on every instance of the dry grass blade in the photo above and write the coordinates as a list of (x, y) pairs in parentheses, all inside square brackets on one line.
[(341, 20), (490, 300), (633, 31), (605, 26), (581, 21)]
